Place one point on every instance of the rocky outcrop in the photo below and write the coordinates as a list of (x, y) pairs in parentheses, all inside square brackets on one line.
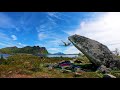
[(96, 52), (28, 49)]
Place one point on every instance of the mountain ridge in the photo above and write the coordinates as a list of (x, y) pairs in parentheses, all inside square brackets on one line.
[(26, 49)]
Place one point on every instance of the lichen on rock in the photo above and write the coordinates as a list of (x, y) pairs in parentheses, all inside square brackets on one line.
[(96, 52)]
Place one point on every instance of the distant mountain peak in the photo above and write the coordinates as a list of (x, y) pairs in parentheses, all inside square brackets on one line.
[(59, 53)]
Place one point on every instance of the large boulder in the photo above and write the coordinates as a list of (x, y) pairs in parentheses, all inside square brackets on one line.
[(96, 52)]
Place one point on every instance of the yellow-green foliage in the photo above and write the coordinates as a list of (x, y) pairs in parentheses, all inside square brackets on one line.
[(32, 66), (83, 59), (28, 65), (118, 57), (116, 73), (7, 70)]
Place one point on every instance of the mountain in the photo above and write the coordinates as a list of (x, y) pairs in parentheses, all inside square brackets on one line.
[(27, 49), (59, 53)]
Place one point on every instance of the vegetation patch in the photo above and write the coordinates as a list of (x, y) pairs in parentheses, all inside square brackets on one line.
[(30, 66)]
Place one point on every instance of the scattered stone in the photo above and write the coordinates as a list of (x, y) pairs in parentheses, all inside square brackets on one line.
[(79, 70), (96, 52), (68, 68), (108, 76), (65, 71), (71, 61), (50, 67), (56, 65), (77, 74), (9, 72), (103, 69)]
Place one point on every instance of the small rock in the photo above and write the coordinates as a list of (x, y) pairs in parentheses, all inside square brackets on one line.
[(55, 65), (108, 76), (77, 69), (71, 61), (68, 68), (50, 67), (65, 71), (9, 72), (77, 74)]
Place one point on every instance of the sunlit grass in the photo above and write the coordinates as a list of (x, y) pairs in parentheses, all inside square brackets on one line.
[(29, 66)]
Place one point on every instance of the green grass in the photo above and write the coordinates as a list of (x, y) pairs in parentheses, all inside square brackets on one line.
[(24, 65)]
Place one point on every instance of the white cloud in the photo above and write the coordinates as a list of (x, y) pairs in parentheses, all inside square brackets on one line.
[(41, 28), (53, 50), (41, 36), (14, 37), (5, 21), (2, 44), (47, 28), (56, 42), (17, 29), (4, 36), (6, 41), (7, 44), (71, 50), (52, 21), (105, 29), (21, 45), (54, 14)]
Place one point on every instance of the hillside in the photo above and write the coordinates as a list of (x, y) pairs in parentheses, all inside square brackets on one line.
[(27, 49)]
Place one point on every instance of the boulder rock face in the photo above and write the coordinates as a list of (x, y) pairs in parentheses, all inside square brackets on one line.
[(96, 52)]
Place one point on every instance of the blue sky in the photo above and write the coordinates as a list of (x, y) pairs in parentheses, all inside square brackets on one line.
[(47, 29)]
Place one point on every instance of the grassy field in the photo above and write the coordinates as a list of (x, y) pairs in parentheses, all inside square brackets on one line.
[(29, 66)]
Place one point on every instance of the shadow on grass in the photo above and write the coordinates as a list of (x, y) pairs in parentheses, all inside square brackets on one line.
[(88, 67)]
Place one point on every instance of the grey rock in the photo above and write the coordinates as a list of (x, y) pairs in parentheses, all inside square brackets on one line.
[(50, 67), (65, 71), (103, 69), (77, 69), (56, 65), (76, 74), (108, 76), (71, 61), (96, 52)]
